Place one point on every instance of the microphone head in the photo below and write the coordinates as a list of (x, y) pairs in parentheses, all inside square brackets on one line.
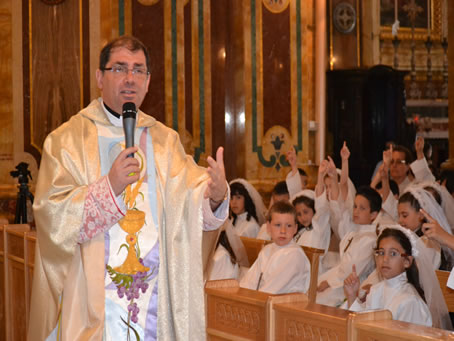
[(129, 110)]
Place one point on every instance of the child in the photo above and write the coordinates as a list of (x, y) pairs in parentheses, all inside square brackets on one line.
[(296, 180), (281, 267), (280, 193), (410, 216), (230, 256), (312, 214), (358, 238), (401, 260), (246, 208)]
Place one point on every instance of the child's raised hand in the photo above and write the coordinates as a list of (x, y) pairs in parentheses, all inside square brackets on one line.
[(419, 144), (387, 156), (345, 152), (291, 157), (432, 228), (383, 171), (332, 171), (323, 168), (351, 285)]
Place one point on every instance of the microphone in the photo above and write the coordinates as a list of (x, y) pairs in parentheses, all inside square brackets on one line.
[(129, 124)]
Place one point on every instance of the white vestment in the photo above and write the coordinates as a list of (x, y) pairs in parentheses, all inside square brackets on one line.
[(279, 270), (399, 297)]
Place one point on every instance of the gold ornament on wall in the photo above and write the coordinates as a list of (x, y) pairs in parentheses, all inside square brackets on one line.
[(276, 6)]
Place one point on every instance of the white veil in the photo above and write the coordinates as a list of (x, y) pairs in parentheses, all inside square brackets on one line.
[(447, 201), (256, 199), (430, 205), (304, 193), (427, 278)]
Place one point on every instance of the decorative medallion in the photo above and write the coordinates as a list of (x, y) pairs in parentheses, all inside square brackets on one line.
[(52, 2), (276, 6), (344, 17), (148, 2)]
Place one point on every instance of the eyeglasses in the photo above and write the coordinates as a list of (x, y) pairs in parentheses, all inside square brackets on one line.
[(398, 162), (391, 254), (122, 70)]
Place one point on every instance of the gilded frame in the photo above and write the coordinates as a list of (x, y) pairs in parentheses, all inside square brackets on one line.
[(404, 33)]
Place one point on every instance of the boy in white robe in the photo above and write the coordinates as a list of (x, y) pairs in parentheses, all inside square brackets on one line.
[(282, 267), (358, 238), (280, 193)]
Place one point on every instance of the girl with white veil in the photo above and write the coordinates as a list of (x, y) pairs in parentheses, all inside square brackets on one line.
[(416, 199), (410, 288)]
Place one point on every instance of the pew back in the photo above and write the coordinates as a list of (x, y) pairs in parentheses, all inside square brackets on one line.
[(448, 293), (303, 321), (253, 247), (313, 255), (235, 313), (19, 252), (397, 331)]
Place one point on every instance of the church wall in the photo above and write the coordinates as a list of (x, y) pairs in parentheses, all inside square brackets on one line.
[(201, 77)]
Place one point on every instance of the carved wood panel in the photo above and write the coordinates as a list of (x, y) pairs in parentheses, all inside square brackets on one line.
[(56, 66)]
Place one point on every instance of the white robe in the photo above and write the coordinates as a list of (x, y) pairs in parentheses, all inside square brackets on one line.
[(279, 270), (399, 297), (263, 233), (222, 267), (319, 236), (246, 228), (357, 247)]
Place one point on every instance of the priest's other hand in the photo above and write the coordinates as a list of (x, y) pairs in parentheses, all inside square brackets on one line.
[(217, 185)]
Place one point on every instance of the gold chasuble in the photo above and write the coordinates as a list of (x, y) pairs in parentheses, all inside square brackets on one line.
[(68, 284)]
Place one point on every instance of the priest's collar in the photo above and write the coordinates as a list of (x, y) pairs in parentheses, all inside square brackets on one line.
[(110, 110), (112, 116)]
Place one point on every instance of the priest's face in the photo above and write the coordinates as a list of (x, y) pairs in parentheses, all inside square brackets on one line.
[(281, 228), (125, 78)]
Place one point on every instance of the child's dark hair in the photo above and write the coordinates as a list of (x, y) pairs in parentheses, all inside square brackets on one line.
[(434, 193), (372, 196), (302, 199), (281, 207), (302, 172), (280, 188), (409, 198), (237, 188), (393, 186), (447, 176), (224, 241), (412, 270)]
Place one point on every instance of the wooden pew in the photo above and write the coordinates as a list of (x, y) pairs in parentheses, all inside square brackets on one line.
[(313, 255), (234, 313), (448, 293), (19, 252), (254, 246), (2, 285), (311, 321), (397, 331)]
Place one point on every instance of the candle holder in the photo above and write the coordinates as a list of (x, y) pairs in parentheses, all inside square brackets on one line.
[(396, 43), (430, 92)]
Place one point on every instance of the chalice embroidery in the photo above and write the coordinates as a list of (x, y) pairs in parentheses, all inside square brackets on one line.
[(131, 223)]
